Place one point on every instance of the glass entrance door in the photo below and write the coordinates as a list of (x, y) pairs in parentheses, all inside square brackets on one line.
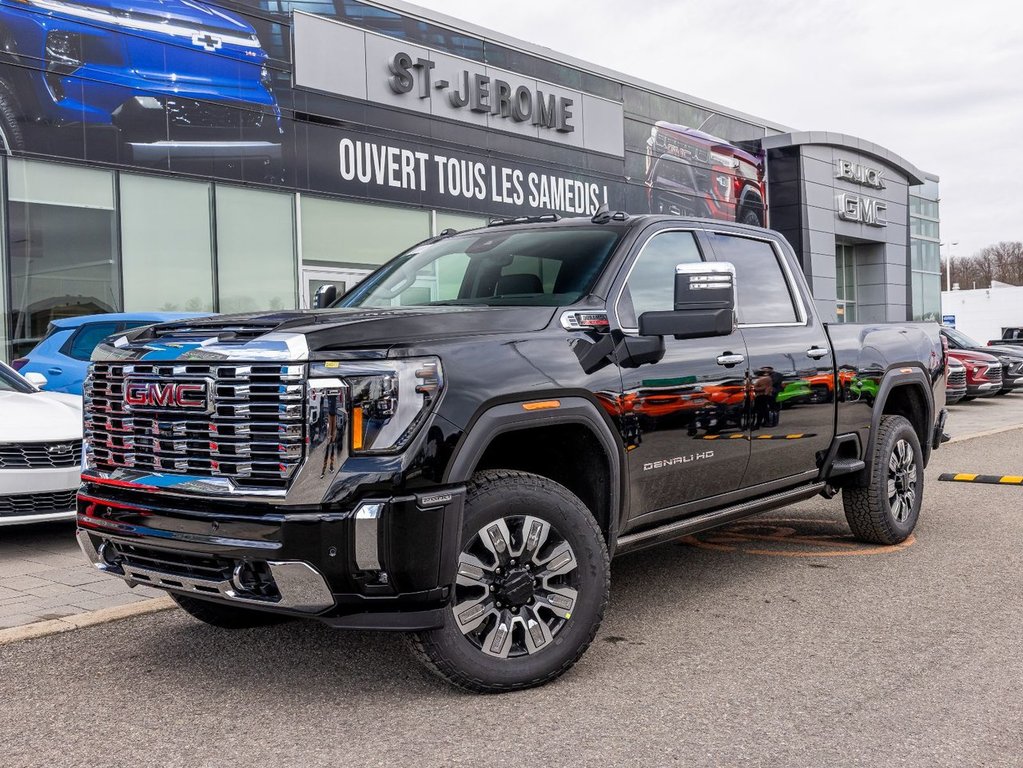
[(314, 279)]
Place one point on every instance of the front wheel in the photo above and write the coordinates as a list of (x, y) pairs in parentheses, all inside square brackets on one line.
[(886, 508), (531, 587)]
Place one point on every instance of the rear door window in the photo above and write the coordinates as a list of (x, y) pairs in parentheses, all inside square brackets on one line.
[(85, 339), (764, 295)]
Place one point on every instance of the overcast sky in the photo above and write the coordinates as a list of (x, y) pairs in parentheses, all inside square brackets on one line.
[(939, 82)]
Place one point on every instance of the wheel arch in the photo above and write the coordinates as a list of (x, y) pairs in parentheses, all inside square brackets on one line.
[(905, 392), (507, 436)]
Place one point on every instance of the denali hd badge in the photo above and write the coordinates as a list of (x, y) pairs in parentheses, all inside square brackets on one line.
[(661, 464), (156, 394)]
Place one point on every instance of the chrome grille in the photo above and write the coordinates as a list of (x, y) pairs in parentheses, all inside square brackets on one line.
[(37, 503), (957, 378), (994, 373), (667, 143), (40, 455), (251, 429)]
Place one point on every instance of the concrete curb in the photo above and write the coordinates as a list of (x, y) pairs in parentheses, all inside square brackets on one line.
[(89, 619), (986, 433)]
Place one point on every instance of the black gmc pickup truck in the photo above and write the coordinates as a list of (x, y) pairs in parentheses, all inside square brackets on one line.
[(458, 446)]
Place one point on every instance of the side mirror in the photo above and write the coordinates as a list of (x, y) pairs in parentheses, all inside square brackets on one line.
[(37, 380), (704, 303), (325, 296)]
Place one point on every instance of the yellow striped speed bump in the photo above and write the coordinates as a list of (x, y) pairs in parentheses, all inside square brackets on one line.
[(967, 477)]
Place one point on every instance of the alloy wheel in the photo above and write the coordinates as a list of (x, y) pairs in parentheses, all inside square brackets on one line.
[(902, 478), (516, 587)]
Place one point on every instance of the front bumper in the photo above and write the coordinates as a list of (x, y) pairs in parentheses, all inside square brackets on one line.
[(982, 390), (383, 563), (162, 151), (37, 495)]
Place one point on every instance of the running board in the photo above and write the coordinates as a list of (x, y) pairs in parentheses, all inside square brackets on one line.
[(679, 528)]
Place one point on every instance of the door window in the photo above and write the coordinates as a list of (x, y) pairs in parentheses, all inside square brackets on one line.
[(651, 282), (85, 339), (764, 295)]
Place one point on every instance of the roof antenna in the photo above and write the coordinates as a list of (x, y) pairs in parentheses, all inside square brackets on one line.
[(603, 215)]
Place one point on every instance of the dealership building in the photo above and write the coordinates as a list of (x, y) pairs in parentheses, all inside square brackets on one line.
[(235, 155)]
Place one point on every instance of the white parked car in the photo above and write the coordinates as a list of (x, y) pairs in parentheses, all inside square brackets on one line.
[(40, 450)]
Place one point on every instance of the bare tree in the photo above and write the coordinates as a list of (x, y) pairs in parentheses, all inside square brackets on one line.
[(1002, 261)]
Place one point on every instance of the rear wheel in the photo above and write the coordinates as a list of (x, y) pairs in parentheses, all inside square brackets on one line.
[(751, 216), (531, 588), (885, 510), (226, 616), (11, 137)]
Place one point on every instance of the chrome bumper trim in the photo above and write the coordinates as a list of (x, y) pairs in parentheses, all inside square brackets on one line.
[(302, 588)]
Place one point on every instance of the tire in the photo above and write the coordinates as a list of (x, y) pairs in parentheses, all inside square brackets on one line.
[(885, 510), (750, 216), (11, 136), (226, 616), (529, 641)]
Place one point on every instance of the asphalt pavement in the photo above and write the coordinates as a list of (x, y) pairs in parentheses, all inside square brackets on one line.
[(775, 642)]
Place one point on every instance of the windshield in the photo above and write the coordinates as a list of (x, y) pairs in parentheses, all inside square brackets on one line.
[(545, 267), (12, 382), (961, 339)]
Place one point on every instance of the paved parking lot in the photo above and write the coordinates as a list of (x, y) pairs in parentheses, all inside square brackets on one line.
[(44, 576), (777, 642)]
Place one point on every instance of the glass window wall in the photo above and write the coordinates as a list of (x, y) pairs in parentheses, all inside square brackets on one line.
[(63, 246), (336, 232), (845, 288), (165, 238), (255, 249), (458, 222)]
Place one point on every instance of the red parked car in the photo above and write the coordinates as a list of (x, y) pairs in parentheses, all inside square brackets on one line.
[(955, 381), (983, 372)]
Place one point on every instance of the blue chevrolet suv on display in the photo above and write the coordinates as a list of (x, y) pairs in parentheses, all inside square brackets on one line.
[(62, 355), (171, 84)]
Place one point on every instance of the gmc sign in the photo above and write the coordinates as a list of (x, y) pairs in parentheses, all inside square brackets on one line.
[(157, 394)]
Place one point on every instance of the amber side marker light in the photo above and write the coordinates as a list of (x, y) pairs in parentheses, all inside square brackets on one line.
[(357, 428), (541, 405)]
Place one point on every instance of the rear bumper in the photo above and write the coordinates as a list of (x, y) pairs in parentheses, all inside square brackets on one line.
[(383, 563)]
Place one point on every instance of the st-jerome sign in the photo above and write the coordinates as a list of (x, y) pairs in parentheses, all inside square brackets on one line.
[(481, 93), (337, 58)]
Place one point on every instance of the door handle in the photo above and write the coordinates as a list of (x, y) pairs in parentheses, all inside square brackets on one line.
[(730, 360), (55, 371), (817, 352)]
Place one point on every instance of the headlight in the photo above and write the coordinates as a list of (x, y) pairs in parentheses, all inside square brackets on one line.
[(387, 400)]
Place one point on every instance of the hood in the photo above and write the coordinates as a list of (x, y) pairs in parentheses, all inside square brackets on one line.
[(326, 330), (162, 12), (709, 140), (1006, 350), (972, 356), (39, 417)]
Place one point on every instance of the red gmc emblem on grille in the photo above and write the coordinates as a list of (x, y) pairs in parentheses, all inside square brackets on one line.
[(155, 394)]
